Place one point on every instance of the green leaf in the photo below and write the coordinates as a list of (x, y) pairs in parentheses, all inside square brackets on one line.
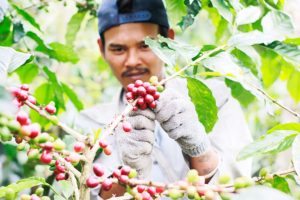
[(204, 102), (296, 154), (63, 53), (43, 94), (223, 8), (73, 97), (26, 16), (293, 41), (42, 47), (5, 28), (245, 60), (170, 51), (193, 8), (10, 60), (27, 72), (58, 90), (67, 188), (74, 26), (248, 15), (293, 85), (238, 92), (10, 151), (18, 31), (288, 126), (278, 24), (281, 184), (23, 184), (251, 38), (290, 53), (268, 144), (261, 192)]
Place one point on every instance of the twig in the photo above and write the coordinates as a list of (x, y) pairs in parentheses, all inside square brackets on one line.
[(69, 166), (69, 130), (75, 186)]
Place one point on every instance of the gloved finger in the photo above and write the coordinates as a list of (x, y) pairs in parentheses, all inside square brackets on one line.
[(147, 113), (171, 109), (140, 122), (143, 165), (166, 96), (136, 139)]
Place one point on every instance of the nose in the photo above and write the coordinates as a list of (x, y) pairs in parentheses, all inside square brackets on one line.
[(133, 59)]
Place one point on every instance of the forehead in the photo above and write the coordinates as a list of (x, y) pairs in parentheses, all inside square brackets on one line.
[(130, 33)]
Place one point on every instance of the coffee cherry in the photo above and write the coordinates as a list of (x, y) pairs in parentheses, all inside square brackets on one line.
[(107, 151), (151, 190), (74, 158), (141, 91), (123, 179), (153, 80), (79, 147), (156, 95), (138, 83), (35, 130), (224, 179), (125, 170), (25, 130), (98, 170), (127, 127), (32, 100), (39, 191), (130, 87), (159, 190), (135, 108), (60, 168), (22, 118), (132, 173), (35, 197), (48, 146), (106, 184), (263, 172), (175, 194), (152, 105), (25, 197), (129, 96), (140, 188), (116, 173), (149, 98), (146, 196), (160, 88), (146, 85), (92, 182), (23, 95), (18, 139), (33, 154), (59, 145), (140, 101), (103, 144), (50, 108), (5, 134), (60, 177), (151, 89), (24, 87), (46, 157), (209, 195), (192, 176)]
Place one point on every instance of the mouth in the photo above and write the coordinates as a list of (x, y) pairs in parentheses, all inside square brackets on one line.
[(135, 74)]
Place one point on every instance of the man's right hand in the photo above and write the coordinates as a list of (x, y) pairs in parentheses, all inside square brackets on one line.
[(136, 146)]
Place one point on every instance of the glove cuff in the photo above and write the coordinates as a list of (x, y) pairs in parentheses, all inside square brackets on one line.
[(194, 147)]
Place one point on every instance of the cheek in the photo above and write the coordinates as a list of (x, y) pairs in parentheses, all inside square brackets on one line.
[(116, 63)]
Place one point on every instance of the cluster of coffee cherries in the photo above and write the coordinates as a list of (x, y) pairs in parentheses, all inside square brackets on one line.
[(38, 195), (146, 93), (121, 176), (143, 192), (22, 94)]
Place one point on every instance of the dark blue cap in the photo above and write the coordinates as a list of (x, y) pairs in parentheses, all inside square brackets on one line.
[(115, 12)]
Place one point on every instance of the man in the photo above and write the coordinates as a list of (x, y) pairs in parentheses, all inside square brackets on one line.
[(169, 140)]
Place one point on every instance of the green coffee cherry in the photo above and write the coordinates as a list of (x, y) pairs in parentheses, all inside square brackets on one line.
[(224, 179), (59, 145), (175, 194), (160, 88), (10, 194), (25, 197), (263, 172), (13, 125), (45, 198), (153, 80), (192, 176), (191, 192), (5, 134), (39, 191), (132, 173)]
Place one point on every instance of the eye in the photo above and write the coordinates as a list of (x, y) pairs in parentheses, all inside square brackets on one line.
[(144, 46), (117, 49)]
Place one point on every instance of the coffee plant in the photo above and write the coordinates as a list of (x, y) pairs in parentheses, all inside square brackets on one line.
[(45, 76)]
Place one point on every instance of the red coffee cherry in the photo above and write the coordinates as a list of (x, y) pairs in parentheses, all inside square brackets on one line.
[(116, 173), (107, 151), (50, 108), (106, 184), (98, 170), (103, 144), (149, 98), (22, 118), (130, 87), (123, 179), (60, 177), (24, 87), (46, 157), (32, 99), (151, 190), (92, 182), (127, 127), (141, 188), (125, 170), (79, 147), (138, 83), (141, 91)]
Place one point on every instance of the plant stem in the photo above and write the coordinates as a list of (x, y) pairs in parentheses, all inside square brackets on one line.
[(69, 166), (74, 183), (69, 130)]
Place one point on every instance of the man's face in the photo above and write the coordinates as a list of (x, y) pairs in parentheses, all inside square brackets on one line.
[(128, 56)]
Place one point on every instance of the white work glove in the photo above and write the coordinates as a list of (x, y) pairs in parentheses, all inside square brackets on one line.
[(136, 146), (177, 116)]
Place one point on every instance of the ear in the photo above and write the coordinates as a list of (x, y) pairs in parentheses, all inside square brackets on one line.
[(171, 34), (101, 47)]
